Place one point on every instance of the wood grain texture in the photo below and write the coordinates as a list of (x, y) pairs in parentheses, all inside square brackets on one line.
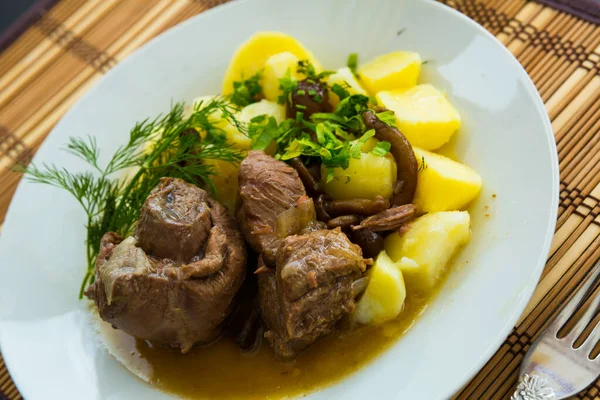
[(77, 41)]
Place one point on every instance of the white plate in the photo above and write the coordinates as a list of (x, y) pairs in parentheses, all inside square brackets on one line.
[(506, 136)]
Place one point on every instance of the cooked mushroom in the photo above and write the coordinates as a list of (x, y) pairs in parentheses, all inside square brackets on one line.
[(370, 242), (322, 214), (343, 221), (311, 183), (388, 220), (310, 97), (364, 207), (406, 163)]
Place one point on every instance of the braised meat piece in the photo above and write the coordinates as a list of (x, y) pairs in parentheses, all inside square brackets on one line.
[(174, 221), (174, 282), (310, 289), (267, 188)]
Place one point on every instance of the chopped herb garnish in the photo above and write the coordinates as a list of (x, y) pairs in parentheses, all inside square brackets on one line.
[(400, 32), (341, 92), (352, 63), (318, 98), (246, 91), (387, 117), (352, 105), (381, 149), (288, 85), (300, 107), (423, 165), (306, 68), (312, 92), (301, 92)]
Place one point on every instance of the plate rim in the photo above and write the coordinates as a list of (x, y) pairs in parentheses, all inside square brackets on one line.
[(533, 280)]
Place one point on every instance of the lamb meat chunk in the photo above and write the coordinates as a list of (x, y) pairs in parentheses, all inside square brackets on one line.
[(267, 188), (174, 221), (310, 290), (164, 300)]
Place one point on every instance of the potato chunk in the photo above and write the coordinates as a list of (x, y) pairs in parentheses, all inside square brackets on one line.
[(384, 297), (251, 56), (425, 251), (444, 184), (391, 71), (346, 79), (423, 114), (263, 107), (366, 177), (225, 180), (275, 68)]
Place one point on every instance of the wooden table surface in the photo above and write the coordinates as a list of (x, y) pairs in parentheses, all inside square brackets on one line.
[(75, 42)]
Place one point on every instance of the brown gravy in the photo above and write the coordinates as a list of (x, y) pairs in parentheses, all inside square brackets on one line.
[(221, 371)]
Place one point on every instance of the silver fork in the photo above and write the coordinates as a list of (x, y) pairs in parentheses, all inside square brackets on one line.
[(553, 368)]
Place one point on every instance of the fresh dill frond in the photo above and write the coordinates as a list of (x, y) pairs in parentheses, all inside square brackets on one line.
[(112, 204)]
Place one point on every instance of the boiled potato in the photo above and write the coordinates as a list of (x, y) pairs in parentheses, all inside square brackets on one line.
[(346, 79), (369, 145), (426, 249), (263, 107), (366, 177), (444, 184), (384, 297), (251, 56), (225, 180), (423, 114), (275, 68), (391, 71)]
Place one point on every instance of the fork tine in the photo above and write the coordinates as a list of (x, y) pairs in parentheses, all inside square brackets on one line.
[(575, 301), (585, 319), (591, 342)]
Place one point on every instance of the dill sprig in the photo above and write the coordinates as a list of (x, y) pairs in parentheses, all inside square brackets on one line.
[(170, 145)]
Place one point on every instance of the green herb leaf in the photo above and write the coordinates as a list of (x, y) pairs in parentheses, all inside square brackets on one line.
[(381, 149), (423, 165), (352, 106), (359, 143), (245, 92), (341, 92), (288, 85), (306, 68), (387, 117), (352, 63)]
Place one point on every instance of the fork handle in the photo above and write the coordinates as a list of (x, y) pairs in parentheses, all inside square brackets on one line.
[(533, 387)]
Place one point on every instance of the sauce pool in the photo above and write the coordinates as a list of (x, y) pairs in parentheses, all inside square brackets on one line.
[(221, 371)]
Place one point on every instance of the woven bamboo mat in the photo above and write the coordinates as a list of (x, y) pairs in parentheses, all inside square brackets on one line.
[(74, 43)]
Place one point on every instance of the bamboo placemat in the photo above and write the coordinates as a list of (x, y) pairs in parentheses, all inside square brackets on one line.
[(74, 43)]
